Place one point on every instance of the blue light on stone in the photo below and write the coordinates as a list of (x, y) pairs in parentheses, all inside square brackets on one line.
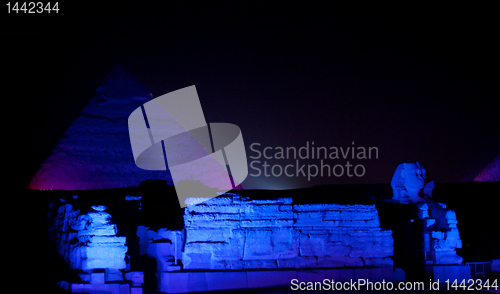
[(130, 198)]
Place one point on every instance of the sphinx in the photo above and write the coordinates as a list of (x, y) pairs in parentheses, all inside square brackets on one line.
[(412, 183)]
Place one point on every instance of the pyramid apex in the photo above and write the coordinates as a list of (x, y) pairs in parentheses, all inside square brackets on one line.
[(120, 83)]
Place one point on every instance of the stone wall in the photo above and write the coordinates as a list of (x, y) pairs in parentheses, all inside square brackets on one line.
[(87, 241), (234, 232)]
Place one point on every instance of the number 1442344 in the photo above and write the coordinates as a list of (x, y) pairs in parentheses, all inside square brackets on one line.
[(32, 7)]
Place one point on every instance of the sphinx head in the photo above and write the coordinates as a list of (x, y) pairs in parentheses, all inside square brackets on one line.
[(411, 183)]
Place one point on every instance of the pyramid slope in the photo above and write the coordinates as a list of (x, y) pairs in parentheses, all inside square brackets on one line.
[(95, 151), (491, 173)]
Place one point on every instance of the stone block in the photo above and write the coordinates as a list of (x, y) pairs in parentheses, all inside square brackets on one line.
[(77, 288), (173, 268), (330, 262), (220, 264), (195, 201), (113, 275), (104, 252), (308, 218), (307, 262), (261, 279), (495, 265), (136, 290), (113, 288), (442, 273), (97, 278), (331, 224), (269, 264), (376, 275), (311, 275), (338, 261), (313, 244), (336, 249), (108, 230), (252, 264), (124, 289), (208, 235), (387, 273), (227, 280), (206, 208), (373, 223), (183, 282), (101, 288), (382, 237), (135, 277), (197, 282), (285, 243), (339, 236), (85, 277), (228, 251), (196, 260), (287, 263), (332, 215), (260, 264), (266, 201), (358, 215), (258, 244), (171, 282), (378, 262), (236, 264), (447, 257), (267, 223), (363, 273), (361, 236), (106, 240), (255, 211), (346, 275), (208, 217), (332, 274), (161, 249), (364, 250), (318, 207), (211, 224), (89, 264)]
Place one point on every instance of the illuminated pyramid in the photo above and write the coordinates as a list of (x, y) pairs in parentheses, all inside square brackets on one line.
[(491, 173), (95, 151)]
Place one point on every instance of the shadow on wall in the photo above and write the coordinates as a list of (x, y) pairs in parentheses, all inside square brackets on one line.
[(407, 232), (147, 265)]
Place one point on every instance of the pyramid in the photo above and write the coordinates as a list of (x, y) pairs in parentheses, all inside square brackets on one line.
[(95, 151), (491, 173)]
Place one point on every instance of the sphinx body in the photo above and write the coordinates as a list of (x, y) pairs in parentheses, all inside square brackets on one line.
[(412, 184)]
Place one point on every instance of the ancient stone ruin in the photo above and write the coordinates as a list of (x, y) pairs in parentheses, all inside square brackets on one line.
[(234, 241), (239, 233), (239, 241)]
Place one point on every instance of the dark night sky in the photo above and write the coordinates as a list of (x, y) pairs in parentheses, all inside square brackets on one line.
[(415, 81)]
